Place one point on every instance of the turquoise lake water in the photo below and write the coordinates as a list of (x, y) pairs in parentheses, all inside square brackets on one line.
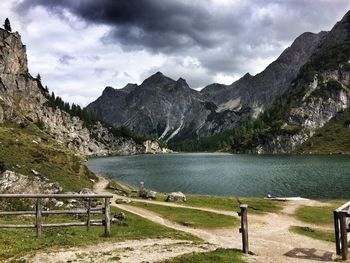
[(311, 176)]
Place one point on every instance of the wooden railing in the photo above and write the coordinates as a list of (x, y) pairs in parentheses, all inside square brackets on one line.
[(341, 216), (88, 211)]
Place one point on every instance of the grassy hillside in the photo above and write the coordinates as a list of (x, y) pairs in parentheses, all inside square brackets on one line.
[(25, 147), (334, 137)]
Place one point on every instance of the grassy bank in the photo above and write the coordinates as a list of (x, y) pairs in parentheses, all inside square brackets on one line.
[(333, 137), (314, 233), (191, 217), (220, 255), (318, 215), (17, 242), (25, 148), (255, 205)]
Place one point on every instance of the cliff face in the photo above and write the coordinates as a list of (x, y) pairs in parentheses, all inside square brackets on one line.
[(259, 91), (21, 100), (321, 99), (312, 112)]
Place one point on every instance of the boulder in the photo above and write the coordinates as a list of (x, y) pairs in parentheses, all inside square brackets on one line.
[(123, 201), (86, 191), (120, 216), (149, 194), (176, 197)]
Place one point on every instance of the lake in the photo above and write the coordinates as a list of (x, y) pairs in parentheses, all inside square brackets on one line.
[(312, 176)]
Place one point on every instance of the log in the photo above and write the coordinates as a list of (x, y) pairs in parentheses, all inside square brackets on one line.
[(244, 227), (54, 196), (18, 226), (73, 224), (343, 235), (107, 218), (38, 217), (336, 231)]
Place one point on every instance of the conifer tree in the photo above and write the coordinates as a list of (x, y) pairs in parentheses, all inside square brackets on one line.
[(7, 25)]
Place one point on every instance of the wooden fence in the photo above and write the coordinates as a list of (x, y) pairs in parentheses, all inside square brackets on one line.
[(88, 211), (341, 228)]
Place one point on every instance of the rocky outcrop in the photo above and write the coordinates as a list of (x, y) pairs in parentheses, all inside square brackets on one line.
[(14, 183), (153, 147), (312, 112)]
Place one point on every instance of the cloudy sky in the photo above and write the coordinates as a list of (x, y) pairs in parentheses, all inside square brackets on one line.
[(81, 46)]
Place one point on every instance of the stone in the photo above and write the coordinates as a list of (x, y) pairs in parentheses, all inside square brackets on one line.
[(120, 216), (59, 204), (35, 172), (149, 194), (176, 197), (86, 191), (123, 201)]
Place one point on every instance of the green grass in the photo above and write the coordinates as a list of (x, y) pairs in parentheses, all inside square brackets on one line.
[(255, 205), (220, 255), (319, 215), (17, 242), (114, 185), (313, 233), (191, 217), (55, 161), (331, 138)]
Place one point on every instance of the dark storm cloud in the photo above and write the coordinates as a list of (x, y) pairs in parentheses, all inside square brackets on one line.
[(222, 36)]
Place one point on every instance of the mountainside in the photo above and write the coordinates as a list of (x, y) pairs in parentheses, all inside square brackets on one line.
[(259, 91), (319, 93), (163, 107), (173, 111), (40, 135), (286, 103)]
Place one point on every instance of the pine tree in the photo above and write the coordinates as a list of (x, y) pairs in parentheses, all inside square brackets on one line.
[(7, 25)]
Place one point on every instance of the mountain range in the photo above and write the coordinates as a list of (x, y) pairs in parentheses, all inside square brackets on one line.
[(170, 110)]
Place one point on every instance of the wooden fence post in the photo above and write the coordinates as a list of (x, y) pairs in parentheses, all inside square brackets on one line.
[(38, 217), (343, 235), (107, 218), (88, 214), (336, 231), (244, 227)]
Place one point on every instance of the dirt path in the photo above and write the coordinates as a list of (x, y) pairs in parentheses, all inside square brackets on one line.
[(269, 239), (149, 250), (269, 236)]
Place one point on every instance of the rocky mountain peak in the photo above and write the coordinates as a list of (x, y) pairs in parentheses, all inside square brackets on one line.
[(108, 90), (13, 54), (181, 83), (157, 79)]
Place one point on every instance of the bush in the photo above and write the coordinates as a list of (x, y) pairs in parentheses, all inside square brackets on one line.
[(2, 167)]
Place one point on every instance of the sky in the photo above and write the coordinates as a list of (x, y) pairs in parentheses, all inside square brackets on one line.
[(81, 46)]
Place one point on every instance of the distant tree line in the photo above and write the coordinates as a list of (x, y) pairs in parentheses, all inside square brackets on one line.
[(89, 118)]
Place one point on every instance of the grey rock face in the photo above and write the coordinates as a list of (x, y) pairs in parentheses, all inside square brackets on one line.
[(21, 99), (14, 183), (259, 91)]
